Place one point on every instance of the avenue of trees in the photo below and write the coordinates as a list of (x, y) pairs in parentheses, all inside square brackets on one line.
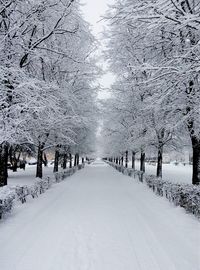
[(47, 97), (154, 49)]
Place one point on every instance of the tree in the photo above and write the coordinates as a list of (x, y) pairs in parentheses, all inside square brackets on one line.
[(161, 63), (45, 61)]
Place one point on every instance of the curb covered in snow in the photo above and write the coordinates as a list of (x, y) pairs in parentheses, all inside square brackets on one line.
[(9, 195), (183, 195)]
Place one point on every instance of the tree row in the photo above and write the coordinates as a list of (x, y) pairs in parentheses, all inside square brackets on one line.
[(153, 47), (47, 95)]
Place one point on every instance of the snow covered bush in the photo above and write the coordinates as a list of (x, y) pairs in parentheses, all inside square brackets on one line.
[(81, 166), (116, 166), (43, 184), (186, 196), (156, 184), (39, 187), (60, 176), (7, 196), (183, 195), (22, 193), (34, 191)]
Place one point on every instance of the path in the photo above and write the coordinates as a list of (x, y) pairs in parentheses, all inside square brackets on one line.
[(99, 219)]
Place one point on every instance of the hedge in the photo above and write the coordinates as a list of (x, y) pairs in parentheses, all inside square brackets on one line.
[(183, 195), (9, 195)]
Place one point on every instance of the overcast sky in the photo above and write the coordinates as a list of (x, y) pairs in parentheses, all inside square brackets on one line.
[(93, 10)]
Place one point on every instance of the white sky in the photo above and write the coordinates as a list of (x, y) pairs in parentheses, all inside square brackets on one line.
[(93, 10)]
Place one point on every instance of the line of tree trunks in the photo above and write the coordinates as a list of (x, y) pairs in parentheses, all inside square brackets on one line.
[(76, 159), (13, 157)]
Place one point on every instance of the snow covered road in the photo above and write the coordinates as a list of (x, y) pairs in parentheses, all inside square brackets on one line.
[(99, 219)]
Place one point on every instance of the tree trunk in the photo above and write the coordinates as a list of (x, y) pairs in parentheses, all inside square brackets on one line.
[(45, 161), (39, 172), (64, 165), (160, 161), (78, 159), (196, 151), (122, 161), (75, 160), (196, 160), (83, 160), (142, 162), (56, 160), (194, 139), (3, 165), (126, 160), (15, 161), (70, 160), (133, 160), (14, 166)]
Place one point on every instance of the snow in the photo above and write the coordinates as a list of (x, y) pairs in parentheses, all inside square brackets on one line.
[(26, 177), (173, 173), (99, 219)]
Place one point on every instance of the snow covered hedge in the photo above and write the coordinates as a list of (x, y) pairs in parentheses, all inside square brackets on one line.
[(9, 195), (183, 195)]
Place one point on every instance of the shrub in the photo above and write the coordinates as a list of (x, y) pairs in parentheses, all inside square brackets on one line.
[(20, 193), (183, 195), (7, 196)]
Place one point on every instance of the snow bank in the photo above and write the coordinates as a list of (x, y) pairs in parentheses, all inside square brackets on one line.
[(27, 177), (174, 173), (9, 195), (183, 195)]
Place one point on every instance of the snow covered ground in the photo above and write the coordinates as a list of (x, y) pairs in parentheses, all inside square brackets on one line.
[(99, 219), (180, 173), (26, 177), (171, 172)]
